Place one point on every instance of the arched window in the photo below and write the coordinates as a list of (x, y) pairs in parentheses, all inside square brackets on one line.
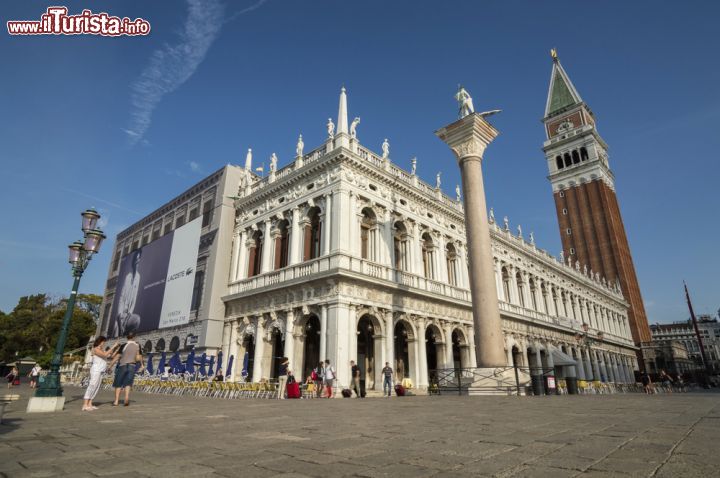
[(428, 254), (575, 156), (506, 284), (197, 290), (583, 154), (559, 162), (255, 258), (568, 160), (451, 259), (368, 232), (401, 246), (521, 289), (312, 235)]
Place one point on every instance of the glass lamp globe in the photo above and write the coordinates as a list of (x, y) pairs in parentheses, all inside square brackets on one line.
[(89, 219), (93, 240), (74, 250)]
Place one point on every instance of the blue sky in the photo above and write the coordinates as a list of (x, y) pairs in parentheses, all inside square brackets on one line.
[(124, 124)]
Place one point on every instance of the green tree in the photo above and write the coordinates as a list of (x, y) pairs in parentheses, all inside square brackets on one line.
[(32, 328)]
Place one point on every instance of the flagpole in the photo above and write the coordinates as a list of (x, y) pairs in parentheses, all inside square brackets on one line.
[(697, 330)]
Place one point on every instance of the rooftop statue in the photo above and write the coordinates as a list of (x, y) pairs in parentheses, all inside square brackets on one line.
[(353, 127), (457, 192), (331, 128), (465, 102), (300, 146), (273, 162), (437, 181), (413, 166), (385, 149)]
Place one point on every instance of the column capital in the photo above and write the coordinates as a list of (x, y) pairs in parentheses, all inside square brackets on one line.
[(468, 137)]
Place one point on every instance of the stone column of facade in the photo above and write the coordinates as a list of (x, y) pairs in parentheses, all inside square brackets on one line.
[(352, 216), (447, 330), (508, 350), (473, 354), (417, 266), (341, 221), (242, 266), (616, 372), (538, 361), (337, 347), (525, 278), (628, 371), (259, 349), (232, 351), (575, 308), (442, 270), (323, 331), (236, 245), (513, 290), (327, 224), (462, 270), (290, 338), (468, 138), (295, 236), (601, 366), (498, 279), (225, 344), (352, 337), (580, 365), (389, 338), (388, 246), (589, 366), (268, 248), (550, 360), (422, 353), (526, 361)]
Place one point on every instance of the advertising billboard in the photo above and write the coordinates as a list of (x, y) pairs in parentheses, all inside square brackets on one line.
[(155, 283)]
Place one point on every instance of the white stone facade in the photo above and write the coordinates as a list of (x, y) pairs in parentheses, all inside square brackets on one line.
[(342, 255)]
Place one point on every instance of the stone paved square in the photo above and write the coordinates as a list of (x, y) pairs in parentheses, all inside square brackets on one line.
[(448, 436)]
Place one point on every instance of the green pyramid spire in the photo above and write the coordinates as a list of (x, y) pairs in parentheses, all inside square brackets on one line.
[(562, 92)]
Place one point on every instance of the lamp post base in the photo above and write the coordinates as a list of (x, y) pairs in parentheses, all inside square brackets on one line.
[(49, 386), (45, 404)]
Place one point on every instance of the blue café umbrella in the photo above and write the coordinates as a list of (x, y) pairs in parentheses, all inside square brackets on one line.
[(190, 362), (202, 364), (211, 363), (149, 365), (229, 365), (219, 361), (161, 363), (175, 362), (246, 362)]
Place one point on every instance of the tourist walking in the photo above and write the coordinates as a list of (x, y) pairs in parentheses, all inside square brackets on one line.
[(283, 377), (99, 364), (355, 378), (647, 383), (329, 379), (12, 377), (318, 376), (666, 381), (125, 373), (35, 375), (387, 373)]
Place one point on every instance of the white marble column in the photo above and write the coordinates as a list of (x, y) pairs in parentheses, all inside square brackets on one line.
[(417, 252), (242, 266), (422, 353), (290, 339), (236, 246), (327, 224), (323, 331), (351, 222), (473, 353), (442, 271), (387, 239), (580, 365), (341, 218), (590, 365), (259, 349), (295, 237), (449, 361), (526, 289), (232, 351), (497, 269), (513, 289), (225, 345), (389, 338), (268, 247)]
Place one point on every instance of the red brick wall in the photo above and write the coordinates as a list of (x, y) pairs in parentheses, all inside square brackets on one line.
[(599, 239)]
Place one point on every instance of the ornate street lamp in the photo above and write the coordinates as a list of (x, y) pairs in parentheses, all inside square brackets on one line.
[(80, 253)]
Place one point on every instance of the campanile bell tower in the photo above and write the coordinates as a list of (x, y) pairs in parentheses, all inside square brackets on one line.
[(591, 227)]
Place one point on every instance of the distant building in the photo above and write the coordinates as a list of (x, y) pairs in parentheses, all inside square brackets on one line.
[(683, 333)]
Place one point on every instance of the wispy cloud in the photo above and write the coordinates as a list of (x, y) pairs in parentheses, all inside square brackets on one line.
[(172, 65), (194, 167), (102, 201)]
